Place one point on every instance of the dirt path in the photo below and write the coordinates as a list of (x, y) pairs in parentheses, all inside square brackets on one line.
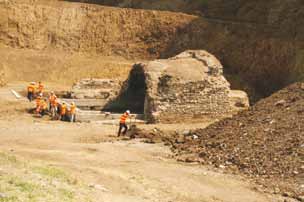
[(129, 171)]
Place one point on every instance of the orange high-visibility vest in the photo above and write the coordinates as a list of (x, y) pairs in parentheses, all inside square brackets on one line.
[(38, 100), (123, 118), (40, 87), (31, 88), (63, 109), (43, 104), (53, 100), (73, 109)]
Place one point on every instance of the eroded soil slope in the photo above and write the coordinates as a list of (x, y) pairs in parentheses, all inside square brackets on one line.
[(88, 28), (260, 44)]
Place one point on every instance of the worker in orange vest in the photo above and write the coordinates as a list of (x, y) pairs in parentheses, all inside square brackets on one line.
[(122, 123), (38, 100), (42, 107), (53, 105), (40, 87), (72, 112), (53, 99), (63, 110), (31, 91)]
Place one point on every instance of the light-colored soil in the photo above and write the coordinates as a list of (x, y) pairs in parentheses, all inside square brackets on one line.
[(59, 68), (122, 171), (245, 40)]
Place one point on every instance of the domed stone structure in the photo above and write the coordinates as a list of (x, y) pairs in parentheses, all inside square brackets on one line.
[(187, 87)]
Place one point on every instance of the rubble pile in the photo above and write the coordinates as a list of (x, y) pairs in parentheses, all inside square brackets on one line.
[(265, 142)]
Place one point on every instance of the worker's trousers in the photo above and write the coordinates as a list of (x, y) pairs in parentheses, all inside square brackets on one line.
[(53, 110), (72, 118), (30, 96), (122, 126), (42, 112), (63, 117)]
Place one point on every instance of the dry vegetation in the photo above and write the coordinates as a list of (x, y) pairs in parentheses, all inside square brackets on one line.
[(22, 181)]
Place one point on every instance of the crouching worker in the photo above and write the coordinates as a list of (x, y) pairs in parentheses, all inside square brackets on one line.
[(122, 123), (42, 107), (31, 91), (72, 112)]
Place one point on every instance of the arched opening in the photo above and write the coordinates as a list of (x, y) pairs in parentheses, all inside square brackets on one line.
[(132, 94)]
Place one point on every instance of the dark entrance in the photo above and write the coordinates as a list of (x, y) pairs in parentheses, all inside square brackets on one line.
[(132, 95)]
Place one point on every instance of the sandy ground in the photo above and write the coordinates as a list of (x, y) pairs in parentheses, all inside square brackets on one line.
[(129, 171)]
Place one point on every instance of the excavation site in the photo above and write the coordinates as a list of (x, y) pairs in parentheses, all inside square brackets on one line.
[(151, 101)]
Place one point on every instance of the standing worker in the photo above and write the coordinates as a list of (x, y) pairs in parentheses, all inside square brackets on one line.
[(63, 110), (38, 100), (122, 123), (40, 87), (72, 112), (31, 91), (53, 105)]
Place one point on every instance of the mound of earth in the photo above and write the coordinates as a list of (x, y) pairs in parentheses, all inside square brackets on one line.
[(265, 142)]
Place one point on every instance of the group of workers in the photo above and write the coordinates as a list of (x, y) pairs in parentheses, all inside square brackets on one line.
[(51, 105), (61, 110)]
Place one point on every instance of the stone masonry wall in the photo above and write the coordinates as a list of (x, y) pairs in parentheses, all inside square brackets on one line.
[(195, 98), (172, 96), (192, 100)]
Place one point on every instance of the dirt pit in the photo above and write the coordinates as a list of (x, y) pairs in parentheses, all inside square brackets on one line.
[(106, 168)]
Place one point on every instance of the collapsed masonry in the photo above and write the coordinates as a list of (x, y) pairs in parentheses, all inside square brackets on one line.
[(186, 88)]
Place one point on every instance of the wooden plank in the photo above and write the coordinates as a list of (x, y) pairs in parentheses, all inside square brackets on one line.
[(16, 94)]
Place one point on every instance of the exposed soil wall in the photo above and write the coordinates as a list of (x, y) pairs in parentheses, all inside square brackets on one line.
[(260, 45), (60, 67), (88, 28), (249, 52)]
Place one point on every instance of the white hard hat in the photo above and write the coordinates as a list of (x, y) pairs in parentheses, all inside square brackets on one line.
[(40, 94), (128, 111), (33, 82)]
